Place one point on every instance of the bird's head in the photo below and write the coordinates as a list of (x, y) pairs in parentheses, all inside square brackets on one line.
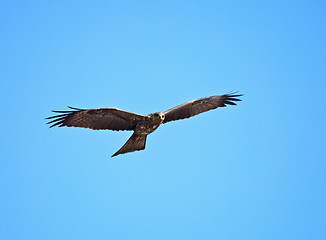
[(158, 115)]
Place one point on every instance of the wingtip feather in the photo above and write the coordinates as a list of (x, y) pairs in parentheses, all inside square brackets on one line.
[(73, 108)]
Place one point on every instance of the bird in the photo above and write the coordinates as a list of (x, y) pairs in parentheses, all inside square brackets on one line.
[(142, 125)]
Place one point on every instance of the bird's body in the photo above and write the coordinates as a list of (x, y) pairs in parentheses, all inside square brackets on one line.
[(150, 123), (142, 125)]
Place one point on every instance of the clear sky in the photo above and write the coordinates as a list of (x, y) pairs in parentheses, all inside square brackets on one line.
[(252, 171)]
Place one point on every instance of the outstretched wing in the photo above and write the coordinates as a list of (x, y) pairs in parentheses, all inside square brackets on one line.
[(100, 118), (195, 107)]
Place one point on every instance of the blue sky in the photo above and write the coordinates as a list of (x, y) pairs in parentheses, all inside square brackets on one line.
[(252, 171)]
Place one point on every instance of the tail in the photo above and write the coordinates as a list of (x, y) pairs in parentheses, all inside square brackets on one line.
[(135, 143)]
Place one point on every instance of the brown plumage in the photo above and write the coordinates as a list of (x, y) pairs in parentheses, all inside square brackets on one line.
[(142, 125)]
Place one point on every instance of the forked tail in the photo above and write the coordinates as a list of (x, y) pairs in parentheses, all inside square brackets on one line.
[(135, 143)]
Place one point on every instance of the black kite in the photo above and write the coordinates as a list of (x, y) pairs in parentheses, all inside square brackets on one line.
[(142, 125)]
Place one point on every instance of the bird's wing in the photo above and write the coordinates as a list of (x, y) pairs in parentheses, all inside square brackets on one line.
[(100, 118), (195, 107)]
